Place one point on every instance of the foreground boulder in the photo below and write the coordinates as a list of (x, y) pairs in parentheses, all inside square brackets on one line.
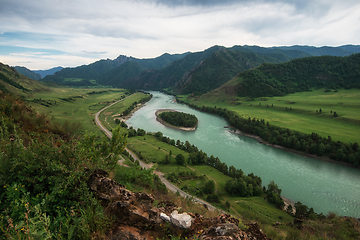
[(181, 220)]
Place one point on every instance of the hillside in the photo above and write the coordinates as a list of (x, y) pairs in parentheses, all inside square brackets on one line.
[(221, 66), (27, 72), (294, 76), (13, 82)]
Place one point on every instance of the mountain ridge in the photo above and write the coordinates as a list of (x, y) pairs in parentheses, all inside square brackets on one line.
[(303, 74), (185, 73)]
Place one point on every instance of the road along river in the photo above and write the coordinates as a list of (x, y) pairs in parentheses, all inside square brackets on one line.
[(168, 185), (325, 186)]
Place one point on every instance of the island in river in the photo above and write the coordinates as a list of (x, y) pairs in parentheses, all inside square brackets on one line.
[(167, 124)]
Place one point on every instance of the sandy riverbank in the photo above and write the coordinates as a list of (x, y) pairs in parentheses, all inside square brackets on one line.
[(124, 118), (169, 125)]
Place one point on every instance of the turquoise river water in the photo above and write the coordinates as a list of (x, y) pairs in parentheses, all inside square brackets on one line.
[(325, 186)]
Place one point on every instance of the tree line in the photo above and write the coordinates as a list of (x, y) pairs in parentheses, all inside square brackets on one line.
[(303, 142)]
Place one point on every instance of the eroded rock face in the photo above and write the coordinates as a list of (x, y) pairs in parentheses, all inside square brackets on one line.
[(137, 219), (134, 209)]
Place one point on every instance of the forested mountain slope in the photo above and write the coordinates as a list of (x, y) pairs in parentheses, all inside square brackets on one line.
[(13, 82), (96, 71), (221, 66), (295, 76)]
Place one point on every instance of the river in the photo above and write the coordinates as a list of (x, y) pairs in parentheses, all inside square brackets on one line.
[(325, 186)]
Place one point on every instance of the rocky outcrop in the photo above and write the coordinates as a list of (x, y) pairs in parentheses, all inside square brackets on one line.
[(137, 219)]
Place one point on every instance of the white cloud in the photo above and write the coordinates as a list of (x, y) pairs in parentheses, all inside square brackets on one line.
[(88, 29)]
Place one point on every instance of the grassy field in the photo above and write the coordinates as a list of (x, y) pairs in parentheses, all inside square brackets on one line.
[(80, 105), (107, 116), (301, 111), (259, 210), (153, 149)]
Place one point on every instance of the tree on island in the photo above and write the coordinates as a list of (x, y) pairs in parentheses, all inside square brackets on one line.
[(179, 119)]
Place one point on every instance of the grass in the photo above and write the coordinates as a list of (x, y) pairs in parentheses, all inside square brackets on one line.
[(80, 105), (213, 174), (107, 116), (298, 111), (260, 210), (153, 149)]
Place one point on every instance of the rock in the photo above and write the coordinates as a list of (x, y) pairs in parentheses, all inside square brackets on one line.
[(298, 221), (224, 231), (181, 220), (255, 231), (164, 217), (128, 233)]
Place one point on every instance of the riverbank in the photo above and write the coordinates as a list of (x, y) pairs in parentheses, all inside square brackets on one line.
[(260, 140), (169, 125), (124, 118)]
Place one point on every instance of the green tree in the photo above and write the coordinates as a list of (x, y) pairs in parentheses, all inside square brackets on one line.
[(227, 205), (180, 159), (273, 195), (209, 187)]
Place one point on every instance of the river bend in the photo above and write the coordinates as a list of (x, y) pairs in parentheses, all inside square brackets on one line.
[(325, 186)]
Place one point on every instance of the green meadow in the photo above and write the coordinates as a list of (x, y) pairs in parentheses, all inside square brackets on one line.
[(79, 105), (247, 209), (300, 111)]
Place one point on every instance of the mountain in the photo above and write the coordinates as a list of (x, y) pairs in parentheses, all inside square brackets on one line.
[(96, 71), (159, 79), (50, 71), (203, 71), (128, 70), (14, 82), (297, 75), (223, 65), (27, 72), (186, 73), (342, 51)]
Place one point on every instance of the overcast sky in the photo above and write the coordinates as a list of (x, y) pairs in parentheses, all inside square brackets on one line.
[(41, 34)]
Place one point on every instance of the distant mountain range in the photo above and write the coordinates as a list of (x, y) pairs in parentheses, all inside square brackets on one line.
[(198, 72), (51, 71), (184, 73), (37, 74)]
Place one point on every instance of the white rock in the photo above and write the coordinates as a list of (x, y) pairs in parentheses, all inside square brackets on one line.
[(164, 217), (181, 220)]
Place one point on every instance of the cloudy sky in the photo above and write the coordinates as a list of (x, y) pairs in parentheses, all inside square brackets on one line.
[(41, 34)]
